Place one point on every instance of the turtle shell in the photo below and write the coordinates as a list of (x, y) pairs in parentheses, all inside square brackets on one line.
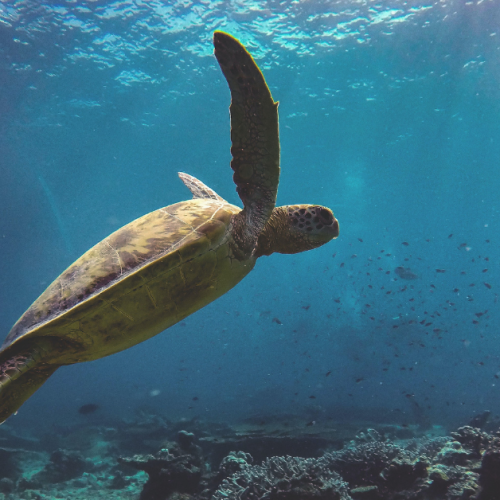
[(135, 283)]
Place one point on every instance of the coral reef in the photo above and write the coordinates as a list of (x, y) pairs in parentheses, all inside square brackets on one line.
[(284, 478), (463, 466), (371, 465)]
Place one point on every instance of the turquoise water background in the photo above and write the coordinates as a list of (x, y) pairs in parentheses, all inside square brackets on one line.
[(389, 114)]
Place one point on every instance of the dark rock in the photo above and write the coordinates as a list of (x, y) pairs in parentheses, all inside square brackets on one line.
[(489, 475), (6, 485), (401, 474), (170, 471), (480, 421), (185, 440)]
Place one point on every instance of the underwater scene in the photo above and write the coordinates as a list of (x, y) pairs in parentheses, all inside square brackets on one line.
[(305, 315)]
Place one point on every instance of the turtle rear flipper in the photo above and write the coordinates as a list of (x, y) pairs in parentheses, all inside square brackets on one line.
[(197, 188), (21, 375)]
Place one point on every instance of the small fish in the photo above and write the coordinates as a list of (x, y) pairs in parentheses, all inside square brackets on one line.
[(312, 397), (405, 273), (450, 235), (360, 379), (88, 409), (360, 240), (196, 398), (487, 285), (328, 373), (405, 243), (277, 321), (306, 307), (440, 271)]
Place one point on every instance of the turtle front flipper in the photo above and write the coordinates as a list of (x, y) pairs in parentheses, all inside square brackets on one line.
[(254, 136), (21, 375)]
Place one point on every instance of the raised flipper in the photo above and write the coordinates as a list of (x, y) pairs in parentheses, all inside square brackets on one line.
[(197, 187), (254, 135), (20, 376)]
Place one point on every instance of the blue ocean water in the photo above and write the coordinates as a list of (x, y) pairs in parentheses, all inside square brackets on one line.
[(388, 115)]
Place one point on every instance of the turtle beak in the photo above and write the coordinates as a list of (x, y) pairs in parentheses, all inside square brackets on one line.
[(329, 222)]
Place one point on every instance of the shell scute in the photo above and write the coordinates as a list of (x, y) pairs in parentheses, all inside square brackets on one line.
[(169, 238)]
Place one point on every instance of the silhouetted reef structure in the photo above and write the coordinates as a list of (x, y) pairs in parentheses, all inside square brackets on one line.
[(190, 463)]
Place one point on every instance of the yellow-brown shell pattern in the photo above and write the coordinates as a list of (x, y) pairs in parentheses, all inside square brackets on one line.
[(128, 251)]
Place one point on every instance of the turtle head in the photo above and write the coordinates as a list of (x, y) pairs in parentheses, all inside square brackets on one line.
[(297, 228)]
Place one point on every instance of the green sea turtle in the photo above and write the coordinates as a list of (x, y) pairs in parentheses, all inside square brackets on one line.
[(162, 267)]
